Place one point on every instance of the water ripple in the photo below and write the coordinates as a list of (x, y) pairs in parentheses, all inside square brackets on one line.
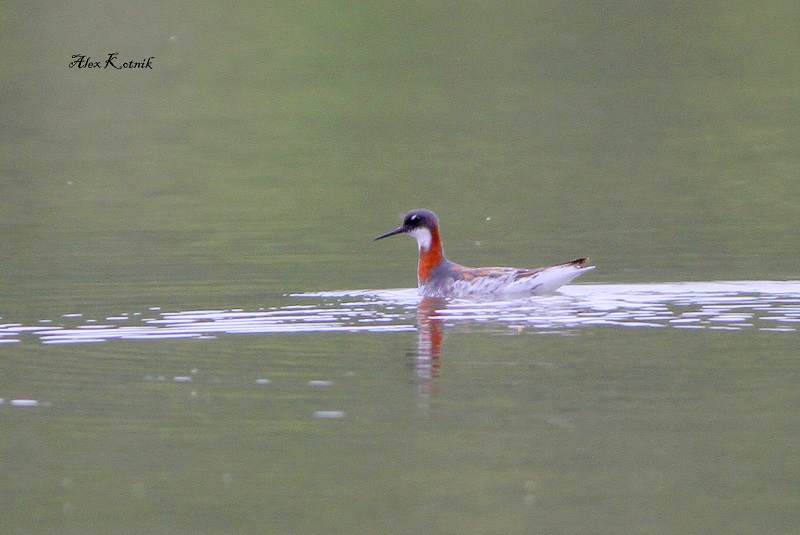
[(767, 306)]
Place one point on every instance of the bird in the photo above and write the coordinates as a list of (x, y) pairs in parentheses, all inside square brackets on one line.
[(438, 277)]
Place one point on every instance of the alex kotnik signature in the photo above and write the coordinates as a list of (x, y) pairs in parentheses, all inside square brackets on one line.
[(82, 61)]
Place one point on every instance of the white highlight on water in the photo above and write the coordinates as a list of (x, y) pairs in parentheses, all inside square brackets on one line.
[(767, 306)]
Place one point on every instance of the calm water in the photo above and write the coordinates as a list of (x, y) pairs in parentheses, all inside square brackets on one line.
[(606, 408), (181, 346)]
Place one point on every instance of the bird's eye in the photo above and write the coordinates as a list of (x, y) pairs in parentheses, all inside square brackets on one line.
[(413, 219)]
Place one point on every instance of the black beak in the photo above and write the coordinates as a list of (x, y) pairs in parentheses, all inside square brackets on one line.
[(398, 230)]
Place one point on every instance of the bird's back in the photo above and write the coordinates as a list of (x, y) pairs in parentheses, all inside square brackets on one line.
[(453, 280)]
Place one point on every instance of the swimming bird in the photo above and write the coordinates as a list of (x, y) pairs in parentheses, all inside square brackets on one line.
[(439, 277)]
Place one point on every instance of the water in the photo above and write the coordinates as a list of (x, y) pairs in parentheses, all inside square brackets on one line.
[(621, 406), (175, 356), (733, 305)]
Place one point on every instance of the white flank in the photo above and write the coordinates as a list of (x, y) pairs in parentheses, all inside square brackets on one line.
[(546, 282)]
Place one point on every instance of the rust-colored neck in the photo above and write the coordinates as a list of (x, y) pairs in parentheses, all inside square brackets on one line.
[(430, 258)]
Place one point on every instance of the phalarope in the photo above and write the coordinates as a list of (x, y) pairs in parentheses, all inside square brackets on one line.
[(439, 277)]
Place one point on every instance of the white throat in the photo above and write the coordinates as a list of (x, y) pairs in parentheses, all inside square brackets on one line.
[(423, 237)]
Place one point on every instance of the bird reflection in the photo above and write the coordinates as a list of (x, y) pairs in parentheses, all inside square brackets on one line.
[(429, 347)]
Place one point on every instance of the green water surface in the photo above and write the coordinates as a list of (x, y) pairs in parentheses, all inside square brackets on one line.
[(272, 141)]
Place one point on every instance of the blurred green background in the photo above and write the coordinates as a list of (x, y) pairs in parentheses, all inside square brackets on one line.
[(271, 141)]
